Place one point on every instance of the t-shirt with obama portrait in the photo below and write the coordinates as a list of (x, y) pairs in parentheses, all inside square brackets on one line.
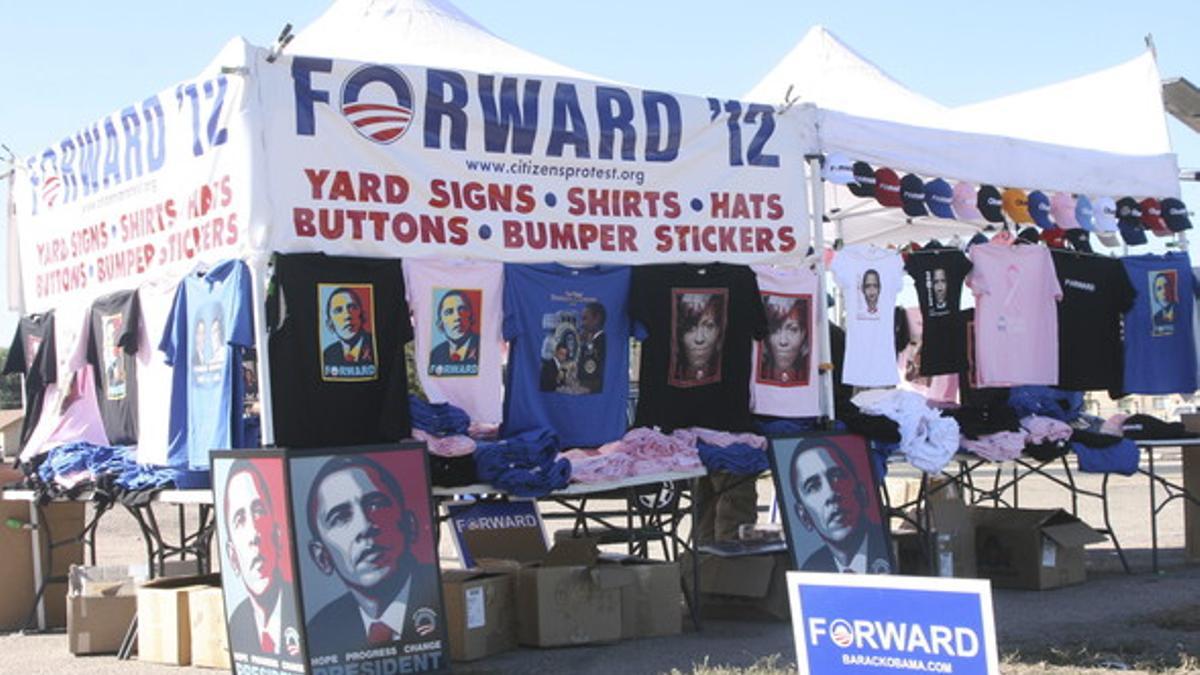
[(338, 326), (698, 323)]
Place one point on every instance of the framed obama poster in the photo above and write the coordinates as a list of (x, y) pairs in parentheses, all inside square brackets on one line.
[(370, 589), (254, 535), (832, 511)]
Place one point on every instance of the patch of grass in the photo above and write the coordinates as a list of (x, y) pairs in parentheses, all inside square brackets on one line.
[(1134, 656), (767, 665), (1179, 618)]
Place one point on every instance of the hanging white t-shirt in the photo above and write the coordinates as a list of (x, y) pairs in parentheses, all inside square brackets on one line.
[(154, 376), (870, 278), (457, 308), (785, 380)]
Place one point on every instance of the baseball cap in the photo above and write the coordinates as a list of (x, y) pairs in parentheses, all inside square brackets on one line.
[(964, 201), (1152, 217), (912, 195), (1175, 213), (1039, 209), (838, 168), (1104, 215), (1062, 208), (989, 203), (939, 198), (863, 184), (1029, 235), (887, 187), (1016, 205), (1055, 237), (1079, 240), (1083, 213), (1129, 221)]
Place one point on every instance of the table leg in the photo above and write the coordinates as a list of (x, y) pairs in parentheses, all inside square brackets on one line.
[(1153, 514), (35, 539), (694, 604), (1108, 528)]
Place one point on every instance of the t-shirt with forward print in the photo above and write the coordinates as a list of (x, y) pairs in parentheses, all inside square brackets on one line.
[(457, 308), (338, 328), (1096, 293), (698, 324)]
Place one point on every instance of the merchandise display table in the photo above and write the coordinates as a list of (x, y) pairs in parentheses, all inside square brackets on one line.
[(656, 505), (193, 541), (1006, 477)]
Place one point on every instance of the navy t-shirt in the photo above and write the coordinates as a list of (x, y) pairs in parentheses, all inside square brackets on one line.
[(568, 366), (113, 325), (32, 354), (1160, 355)]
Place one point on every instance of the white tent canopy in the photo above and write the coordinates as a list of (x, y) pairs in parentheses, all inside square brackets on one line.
[(1077, 136), (417, 32)]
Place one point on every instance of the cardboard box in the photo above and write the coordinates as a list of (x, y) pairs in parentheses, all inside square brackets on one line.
[(17, 588), (102, 602), (652, 605), (911, 552), (164, 624), (741, 587), (1035, 549), (568, 597), (953, 526), (206, 622), (481, 613)]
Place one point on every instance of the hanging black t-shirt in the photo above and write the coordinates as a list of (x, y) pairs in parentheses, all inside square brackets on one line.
[(700, 321), (338, 328), (32, 354), (1096, 293), (939, 275), (113, 325)]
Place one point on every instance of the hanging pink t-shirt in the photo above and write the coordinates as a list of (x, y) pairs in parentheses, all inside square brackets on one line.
[(70, 412), (1016, 318), (785, 363), (457, 308)]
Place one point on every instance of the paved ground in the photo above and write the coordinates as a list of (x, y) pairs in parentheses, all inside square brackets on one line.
[(1114, 618)]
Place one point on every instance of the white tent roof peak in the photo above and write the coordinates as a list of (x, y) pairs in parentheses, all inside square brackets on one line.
[(1117, 109), (417, 32), (823, 70)]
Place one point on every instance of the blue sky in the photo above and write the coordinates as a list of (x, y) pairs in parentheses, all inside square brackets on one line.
[(67, 63)]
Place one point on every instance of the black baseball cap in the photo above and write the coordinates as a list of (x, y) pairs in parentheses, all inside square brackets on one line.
[(1080, 240), (912, 195), (989, 203), (863, 184), (1176, 214)]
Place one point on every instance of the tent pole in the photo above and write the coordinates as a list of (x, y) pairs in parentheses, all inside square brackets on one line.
[(825, 377), (258, 279)]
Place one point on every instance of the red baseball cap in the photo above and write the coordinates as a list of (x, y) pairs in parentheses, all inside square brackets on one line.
[(1152, 217), (887, 188)]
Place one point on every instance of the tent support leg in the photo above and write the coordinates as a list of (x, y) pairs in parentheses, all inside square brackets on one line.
[(258, 276), (817, 219)]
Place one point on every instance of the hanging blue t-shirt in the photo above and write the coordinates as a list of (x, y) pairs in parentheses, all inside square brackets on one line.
[(568, 367), (1160, 355), (210, 325)]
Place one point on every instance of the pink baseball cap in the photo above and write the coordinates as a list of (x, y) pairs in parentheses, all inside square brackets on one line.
[(1062, 208), (964, 202)]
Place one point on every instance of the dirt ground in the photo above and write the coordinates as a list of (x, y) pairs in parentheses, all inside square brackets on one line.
[(1142, 622)]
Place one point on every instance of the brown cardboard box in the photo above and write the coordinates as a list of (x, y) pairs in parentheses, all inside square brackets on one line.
[(102, 601), (950, 517), (164, 625), (1191, 483), (1035, 549), (481, 613), (101, 604), (567, 598), (651, 606), (206, 621), (17, 587), (741, 587)]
